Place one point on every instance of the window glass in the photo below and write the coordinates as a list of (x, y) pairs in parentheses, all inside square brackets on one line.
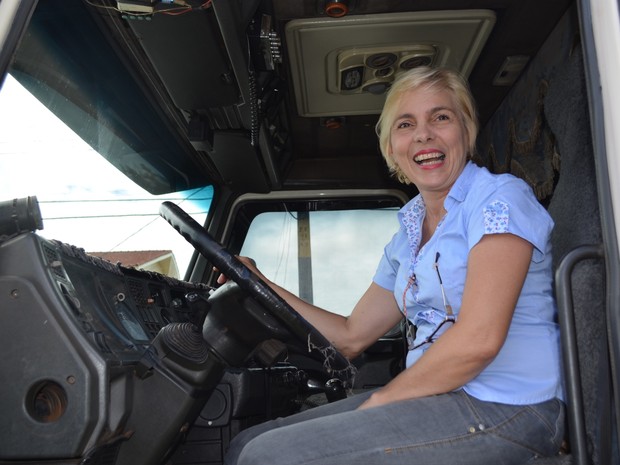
[(343, 252), (84, 200)]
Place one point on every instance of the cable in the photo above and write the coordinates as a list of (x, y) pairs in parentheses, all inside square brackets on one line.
[(155, 219), (134, 233), (254, 109), (183, 8), (127, 215), (124, 200)]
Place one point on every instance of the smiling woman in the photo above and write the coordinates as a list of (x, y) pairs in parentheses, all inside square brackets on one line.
[(99, 209), (500, 318), (258, 118), (451, 111)]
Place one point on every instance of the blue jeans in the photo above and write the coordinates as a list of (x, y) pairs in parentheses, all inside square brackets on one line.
[(452, 428)]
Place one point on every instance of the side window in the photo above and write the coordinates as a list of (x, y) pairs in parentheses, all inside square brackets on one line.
[(325, 257), (84, 200)]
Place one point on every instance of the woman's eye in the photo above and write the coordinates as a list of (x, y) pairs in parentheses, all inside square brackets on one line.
[(442, 117), (403, 124)]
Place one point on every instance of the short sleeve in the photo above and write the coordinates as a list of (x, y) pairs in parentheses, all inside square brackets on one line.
[(510, 206), (387, 270)]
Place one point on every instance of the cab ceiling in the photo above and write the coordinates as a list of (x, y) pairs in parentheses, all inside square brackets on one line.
[(520, 28), (310, 140)]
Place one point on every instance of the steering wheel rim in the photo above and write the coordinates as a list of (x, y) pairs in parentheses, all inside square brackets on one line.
[(334, 362)]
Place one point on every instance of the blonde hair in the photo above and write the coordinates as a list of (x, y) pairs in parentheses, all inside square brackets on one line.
[(430, 78)]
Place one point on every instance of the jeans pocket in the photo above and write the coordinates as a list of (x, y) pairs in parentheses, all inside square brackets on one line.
[(551, 415), (538, 428)]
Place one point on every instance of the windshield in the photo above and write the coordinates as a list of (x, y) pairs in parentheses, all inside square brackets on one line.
[(84, 200), (326, 257)]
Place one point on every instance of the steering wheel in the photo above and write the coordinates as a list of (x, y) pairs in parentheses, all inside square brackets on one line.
[(333, 361)]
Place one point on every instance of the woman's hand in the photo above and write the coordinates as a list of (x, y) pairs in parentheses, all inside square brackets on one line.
[(247, 261), (374, 315), (373, 401)]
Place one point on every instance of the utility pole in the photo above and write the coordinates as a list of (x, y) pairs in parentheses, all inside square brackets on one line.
[(304, 256)]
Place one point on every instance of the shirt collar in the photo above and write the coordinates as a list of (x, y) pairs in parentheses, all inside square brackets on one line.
[(412, 214), (462, 186), (457, 193)]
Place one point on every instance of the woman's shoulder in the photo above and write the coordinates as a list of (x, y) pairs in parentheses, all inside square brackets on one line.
[(506, 203), (500, 186), (508, 193)]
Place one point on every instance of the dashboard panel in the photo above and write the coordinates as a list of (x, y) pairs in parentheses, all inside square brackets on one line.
[(88, 359), (121, 309)]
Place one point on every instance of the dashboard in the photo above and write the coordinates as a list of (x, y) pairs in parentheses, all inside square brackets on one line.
[(88, 360), (121, 309), (115, 365)]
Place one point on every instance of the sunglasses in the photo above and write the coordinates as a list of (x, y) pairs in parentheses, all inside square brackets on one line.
[(441, 327)]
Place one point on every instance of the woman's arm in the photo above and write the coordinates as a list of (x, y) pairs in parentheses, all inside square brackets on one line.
[(372, 317), (496, 270)]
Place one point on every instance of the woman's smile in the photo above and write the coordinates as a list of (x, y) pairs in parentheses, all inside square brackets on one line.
[(428, 140), (429, 158)]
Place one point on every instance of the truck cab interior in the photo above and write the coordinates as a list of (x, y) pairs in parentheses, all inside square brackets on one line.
[(271, 106)]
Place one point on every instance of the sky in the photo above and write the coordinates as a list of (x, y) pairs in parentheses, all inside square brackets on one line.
[(40, 156)]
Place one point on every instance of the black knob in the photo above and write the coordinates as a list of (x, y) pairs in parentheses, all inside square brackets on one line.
[(334, 390)]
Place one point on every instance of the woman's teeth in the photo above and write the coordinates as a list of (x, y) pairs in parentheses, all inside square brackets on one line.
[(429, 158)]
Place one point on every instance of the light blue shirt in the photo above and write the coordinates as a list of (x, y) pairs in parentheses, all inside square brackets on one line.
[(527, 369)]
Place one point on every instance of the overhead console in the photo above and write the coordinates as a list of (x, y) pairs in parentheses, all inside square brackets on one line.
[(364, 54)]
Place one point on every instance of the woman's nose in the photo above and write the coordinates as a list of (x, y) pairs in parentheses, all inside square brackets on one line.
[(423, 133)]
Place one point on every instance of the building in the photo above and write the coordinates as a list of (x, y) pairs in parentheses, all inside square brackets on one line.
[(160, 261)]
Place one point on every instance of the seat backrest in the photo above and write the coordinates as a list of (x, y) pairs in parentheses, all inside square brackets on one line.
[(575, 210), (544, 137)]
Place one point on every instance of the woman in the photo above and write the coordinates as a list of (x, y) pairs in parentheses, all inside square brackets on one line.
[(470, 267)]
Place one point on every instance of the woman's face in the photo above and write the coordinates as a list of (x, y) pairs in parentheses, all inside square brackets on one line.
[(428, 140)]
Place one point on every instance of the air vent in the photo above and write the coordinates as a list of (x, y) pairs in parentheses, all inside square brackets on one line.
[(52, 259), (373, 69), (344, 66)]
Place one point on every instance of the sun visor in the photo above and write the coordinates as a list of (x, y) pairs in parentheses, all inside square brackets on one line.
[(195, 70), (344, 66)]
